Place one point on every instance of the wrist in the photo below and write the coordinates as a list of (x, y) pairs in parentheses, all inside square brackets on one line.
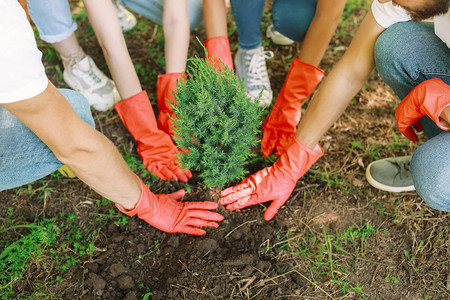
[(444, 118), (130, 206)]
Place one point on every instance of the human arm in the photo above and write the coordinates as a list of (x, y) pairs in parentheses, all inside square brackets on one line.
[(155, 147), (341, 85), (91, 156), (445, 117), (331, 99), (95, 160), (303, 77), (321, 30), (176, 35), (103, 19), (217, 43), (215, 15)]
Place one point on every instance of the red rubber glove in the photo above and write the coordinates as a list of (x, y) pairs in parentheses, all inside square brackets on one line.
[(166, 213), (274, 183), (165, 87), (429, 98), (219, 48), (155, 147), (281, 124)]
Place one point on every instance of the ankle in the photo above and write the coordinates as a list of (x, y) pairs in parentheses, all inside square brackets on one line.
[(73, 57)]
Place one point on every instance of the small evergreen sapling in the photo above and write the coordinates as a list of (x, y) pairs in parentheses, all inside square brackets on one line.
[(216, 122)]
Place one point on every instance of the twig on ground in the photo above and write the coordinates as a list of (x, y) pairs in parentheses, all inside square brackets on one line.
[(248, 222)]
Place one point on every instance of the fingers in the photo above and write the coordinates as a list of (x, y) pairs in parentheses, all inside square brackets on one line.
[(177, 195), (201, 223), (272, 210), (268, 142), (243, 202), (235, 196), (200, 218), (205, 215), (192, 231), (156, 172), (204, 205), (418, 126), (169, 170), (282, 142), (182, 175), (410, 134), (238, 187)]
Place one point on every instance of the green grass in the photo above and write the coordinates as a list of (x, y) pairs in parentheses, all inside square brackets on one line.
[(56, 245), (320, 252)]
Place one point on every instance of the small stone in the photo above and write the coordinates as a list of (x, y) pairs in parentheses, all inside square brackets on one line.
[(117, 237), (97, 282), (130, 296), (125, 282), (132, 224), (116, 269), (92, 267), (174, 241), (207, 245), (248, 270)]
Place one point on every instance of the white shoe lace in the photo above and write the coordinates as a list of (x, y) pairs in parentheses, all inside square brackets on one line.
[(91, 75), (257, 70)]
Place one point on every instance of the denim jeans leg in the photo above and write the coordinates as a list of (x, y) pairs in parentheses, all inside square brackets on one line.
[(24, 158), (430, 167), (407, 54), (292, 17), (52, 18), (248, 15), (153, 10)]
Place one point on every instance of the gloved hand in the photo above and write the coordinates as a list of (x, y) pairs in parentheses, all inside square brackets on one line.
[(281, 124), (166, 213), (219, 47), (155, 147), (165, 86), (429, 98), (274, 183)]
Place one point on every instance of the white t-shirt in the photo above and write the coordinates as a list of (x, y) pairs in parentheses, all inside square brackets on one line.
[(387, 14), (22, 74)]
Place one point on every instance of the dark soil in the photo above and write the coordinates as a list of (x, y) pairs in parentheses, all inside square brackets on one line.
[(247, 257)]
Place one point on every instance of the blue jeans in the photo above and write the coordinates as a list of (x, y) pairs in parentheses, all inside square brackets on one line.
[(24, 158), (407, 54), (290, 17), (54, 21)]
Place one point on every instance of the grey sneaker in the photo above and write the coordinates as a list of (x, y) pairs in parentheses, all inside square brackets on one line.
[(277, 37), (126, 19), (251, 66), (84, 77), (391, 174)]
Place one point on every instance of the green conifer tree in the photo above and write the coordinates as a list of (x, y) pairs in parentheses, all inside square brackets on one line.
[(216, 122)]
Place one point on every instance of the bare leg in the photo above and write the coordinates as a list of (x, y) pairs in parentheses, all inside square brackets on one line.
[(69, 48)]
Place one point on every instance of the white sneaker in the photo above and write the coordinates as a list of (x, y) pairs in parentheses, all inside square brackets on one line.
[(126, 19), (277, 37), (84, 77), (251, 66)]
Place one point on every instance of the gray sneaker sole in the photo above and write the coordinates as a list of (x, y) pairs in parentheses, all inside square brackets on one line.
[(387, 188)]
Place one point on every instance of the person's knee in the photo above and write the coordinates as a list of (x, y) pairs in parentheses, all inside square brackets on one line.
[(292, 18), (430, 168), (79, 104)]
